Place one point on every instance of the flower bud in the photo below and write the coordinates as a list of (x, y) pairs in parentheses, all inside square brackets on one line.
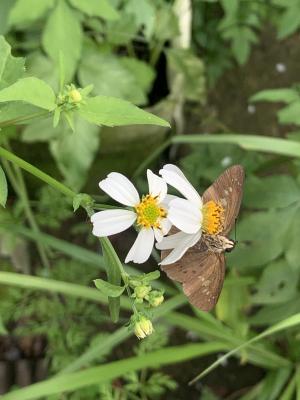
[(75, 96), (156, 298), (142, 291), (143, 327)]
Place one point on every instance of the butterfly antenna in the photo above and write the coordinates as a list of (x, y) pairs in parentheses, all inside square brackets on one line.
[(235, 231)]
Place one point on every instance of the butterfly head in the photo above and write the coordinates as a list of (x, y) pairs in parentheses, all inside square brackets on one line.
[(229, 245)]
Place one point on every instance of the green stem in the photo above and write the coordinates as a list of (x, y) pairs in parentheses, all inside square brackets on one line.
[(36, 172)]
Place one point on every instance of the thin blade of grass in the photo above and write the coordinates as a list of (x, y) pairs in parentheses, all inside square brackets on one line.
[(110, 371), (285, 324)]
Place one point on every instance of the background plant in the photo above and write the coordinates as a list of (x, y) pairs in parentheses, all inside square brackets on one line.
[(140, 51)]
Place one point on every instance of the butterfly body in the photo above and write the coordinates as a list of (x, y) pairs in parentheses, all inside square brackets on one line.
[(202, 268), (215, 244)]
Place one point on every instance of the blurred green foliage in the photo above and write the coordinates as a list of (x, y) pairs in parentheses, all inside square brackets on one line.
[(127, 49)]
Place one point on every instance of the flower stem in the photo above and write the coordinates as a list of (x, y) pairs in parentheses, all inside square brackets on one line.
[(36, 172)]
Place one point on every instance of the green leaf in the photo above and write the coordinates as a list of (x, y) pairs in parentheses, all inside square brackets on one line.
[(63, 33), (39, 131), (110, 111), (259, 242), (109, 289), (110, 371), (113, 272), (144, 14), (121, 31), (278, 284), (30, 90), (82, 199), (96, 8), (292, 252), (289, 22), (105, 70), (276, 95), (151, 276), (26, 11), (191, 68), (274, 191), (19, 112), (247, 142), (5, 9), (290, 114), (11, 68), (3, 188), (230, 6), (75, 151), (44, 68)]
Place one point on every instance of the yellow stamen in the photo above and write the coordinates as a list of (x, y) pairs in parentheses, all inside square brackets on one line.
[(149, 212), (213, 218)]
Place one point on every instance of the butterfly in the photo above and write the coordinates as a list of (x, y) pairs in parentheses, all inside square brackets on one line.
[(202, 268)]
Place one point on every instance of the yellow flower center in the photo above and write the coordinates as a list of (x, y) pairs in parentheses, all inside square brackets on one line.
[(213, 218), (149, 212)]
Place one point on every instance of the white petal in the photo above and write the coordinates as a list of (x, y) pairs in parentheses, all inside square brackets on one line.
[(120, 189), (185, 215), (158, 235), (174, 168), (109, 222), (168, 198), (172, 241), (166, 225), (157, 186), (142, 247), (182, 185), (181, 249)]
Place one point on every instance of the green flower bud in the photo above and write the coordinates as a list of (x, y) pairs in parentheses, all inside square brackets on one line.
[(143, 327), (156, 298), (142, 291), (75, 96)]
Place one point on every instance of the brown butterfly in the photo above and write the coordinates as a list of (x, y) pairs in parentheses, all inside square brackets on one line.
[(201, 270)]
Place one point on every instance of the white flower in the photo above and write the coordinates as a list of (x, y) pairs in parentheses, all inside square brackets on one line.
[(149, 213), (189, 215)]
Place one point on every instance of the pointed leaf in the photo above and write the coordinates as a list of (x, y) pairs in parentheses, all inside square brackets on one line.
[(3, 188), (30, 90), (11, 68), (109, 289), (111, 111)]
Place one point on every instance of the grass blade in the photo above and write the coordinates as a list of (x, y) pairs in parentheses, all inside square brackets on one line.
[(285, 324), (110, 371)]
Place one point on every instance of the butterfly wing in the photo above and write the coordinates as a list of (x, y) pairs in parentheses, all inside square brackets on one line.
[(202, 272), (202, 275), (228, 190)]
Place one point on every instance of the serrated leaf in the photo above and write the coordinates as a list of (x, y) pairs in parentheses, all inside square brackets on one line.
[(110, 111), (109, 289), (30, 90), (11, 68), (274, 191), (276, 95), (96, 8), (26, 11), (63, 34), (3, 188)]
